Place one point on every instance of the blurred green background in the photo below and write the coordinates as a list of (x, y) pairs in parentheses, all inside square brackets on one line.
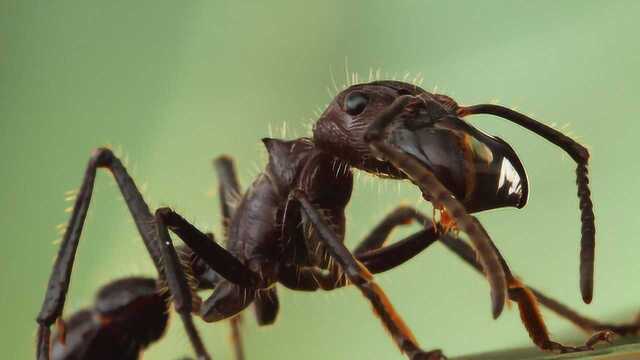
[(174, 84)]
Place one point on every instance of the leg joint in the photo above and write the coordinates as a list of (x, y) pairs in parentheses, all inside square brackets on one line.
[(164, 213), (167, 216), (102, 157)]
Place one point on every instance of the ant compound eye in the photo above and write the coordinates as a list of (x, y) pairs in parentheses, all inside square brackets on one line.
[(355, 103)]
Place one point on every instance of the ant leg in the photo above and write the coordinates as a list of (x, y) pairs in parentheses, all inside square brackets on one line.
[(385, 258), (241, 283), (179, 287), (310, 278), (266, 306), (370, 252), (588, 325), (390, 256), (236, 336), (527, 300), (402, 215), (58, 285), (363, 279), (212, 254), (229, 192), (228, 189), (581, 156), (43, 342), (433, 190), (376, 261)]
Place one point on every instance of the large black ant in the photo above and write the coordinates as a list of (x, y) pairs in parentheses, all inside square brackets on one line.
[(289, 227)]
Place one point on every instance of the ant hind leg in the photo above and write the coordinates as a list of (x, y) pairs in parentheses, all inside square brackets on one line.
[(59, 280)]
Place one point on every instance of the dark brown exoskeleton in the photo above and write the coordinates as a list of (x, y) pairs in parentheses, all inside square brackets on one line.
[(288, 227)]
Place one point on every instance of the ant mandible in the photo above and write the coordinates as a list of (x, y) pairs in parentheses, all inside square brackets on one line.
[(289, 227)]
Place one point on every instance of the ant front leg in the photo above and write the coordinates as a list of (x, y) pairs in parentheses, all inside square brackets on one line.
[(436, 192), (364, 281), (58, 285)]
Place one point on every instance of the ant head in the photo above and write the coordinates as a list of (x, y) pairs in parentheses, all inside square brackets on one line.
[(341, 127), (480, 170)]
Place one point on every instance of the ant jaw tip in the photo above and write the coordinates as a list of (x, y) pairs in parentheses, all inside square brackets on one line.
[(497, 305), (496, 314)]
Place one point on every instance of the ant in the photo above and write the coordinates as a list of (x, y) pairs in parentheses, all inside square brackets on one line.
[(289, 227)]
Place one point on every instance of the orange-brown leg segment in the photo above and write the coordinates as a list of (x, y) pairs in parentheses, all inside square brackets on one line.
[(533, 322), (236, 336), (364, 281)]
